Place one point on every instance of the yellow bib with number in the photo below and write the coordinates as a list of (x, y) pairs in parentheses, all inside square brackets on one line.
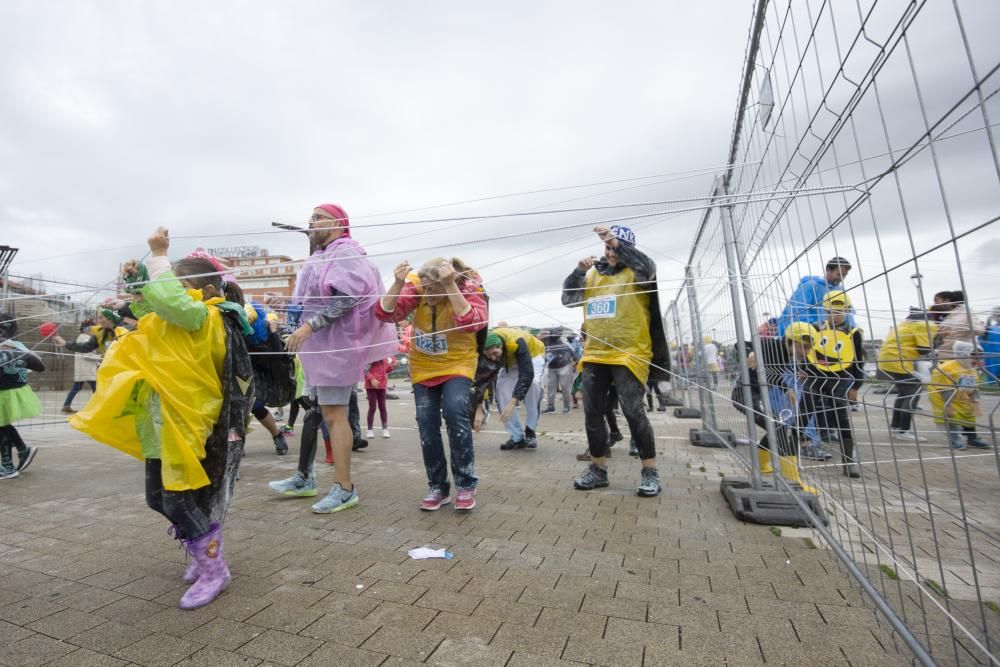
[(616, 318)]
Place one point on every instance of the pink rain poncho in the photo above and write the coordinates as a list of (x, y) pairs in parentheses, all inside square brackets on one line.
[(335, 356)]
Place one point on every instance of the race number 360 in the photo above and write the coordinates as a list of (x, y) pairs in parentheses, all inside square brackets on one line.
[(601, 308)]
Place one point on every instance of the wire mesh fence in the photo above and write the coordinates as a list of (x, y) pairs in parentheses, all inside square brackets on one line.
[(861, 200)]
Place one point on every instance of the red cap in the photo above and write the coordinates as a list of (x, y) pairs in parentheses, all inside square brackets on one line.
[(341, 216)]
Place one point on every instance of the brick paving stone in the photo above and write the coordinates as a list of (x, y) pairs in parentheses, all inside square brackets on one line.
[(342, 656), (237, 607), (152, 587), (342, 629), (618, 607), (109, 637), (82, 657), (506, 611), (464, 652), (178, 622), (218, 658), (350, 605), (35, 650), (526, 659), (285, 617), (391, 614), (549, 643), (158, 650), (458, 603), (639, 632), (571, 622), (28, 610), (225, 634), (89, 598), (66, 623), (279, 647), (456, 626), (596, 651), (12, 633), (546, 597), (403, 643)]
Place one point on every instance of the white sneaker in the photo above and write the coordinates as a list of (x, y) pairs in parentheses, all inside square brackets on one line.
[(369, 433), (385, 433), (908, 435)]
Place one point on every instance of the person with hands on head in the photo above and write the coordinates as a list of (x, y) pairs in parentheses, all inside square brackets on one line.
[(337, 289), (522, 360), (450, 315), (625, 347), (176, 394)]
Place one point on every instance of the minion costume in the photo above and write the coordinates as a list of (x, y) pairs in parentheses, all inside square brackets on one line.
[(176, 393), (625, 347)]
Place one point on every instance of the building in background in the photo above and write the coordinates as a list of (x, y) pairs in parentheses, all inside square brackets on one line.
[(258, 272)]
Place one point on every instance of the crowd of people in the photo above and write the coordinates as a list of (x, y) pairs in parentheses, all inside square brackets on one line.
[(178, 371), (813, 362), (180, 368)]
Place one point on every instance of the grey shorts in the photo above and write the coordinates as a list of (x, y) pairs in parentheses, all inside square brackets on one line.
[(330, 395)]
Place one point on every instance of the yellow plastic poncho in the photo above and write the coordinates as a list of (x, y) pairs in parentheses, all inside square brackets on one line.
[(183, 368), (949, 379), (617, 319)]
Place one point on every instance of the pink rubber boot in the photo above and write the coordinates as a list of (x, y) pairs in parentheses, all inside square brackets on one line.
[(213, 574)]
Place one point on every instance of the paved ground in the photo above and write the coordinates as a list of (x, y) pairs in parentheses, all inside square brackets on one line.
[(542, 574)]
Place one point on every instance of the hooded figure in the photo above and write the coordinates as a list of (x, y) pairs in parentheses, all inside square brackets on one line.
[(806, 302)]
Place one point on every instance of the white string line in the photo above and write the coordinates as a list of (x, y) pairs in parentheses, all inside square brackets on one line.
[(810, 466), (900, 567), (469, 201), (713, 200)]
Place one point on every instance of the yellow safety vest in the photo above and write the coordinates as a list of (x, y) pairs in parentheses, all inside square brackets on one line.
[(899, 350), (509, 335), (616, 318), (437, 350)]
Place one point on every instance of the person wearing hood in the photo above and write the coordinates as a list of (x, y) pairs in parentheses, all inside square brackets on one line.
[(960, 324), (450, 315), (806, 302), (338, 289), (904, 345), (625, 347)]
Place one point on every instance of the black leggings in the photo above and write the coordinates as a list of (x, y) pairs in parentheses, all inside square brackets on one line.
[(597, 381), (9, 440), (179, 507), (609, 412), (312, 424), (908, 396), (826, 399), (293, 412)]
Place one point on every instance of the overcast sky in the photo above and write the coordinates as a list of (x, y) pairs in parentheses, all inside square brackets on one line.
[(217, 118)]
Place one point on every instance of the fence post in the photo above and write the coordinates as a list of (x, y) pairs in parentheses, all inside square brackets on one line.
[(733, 275), (709, 435)]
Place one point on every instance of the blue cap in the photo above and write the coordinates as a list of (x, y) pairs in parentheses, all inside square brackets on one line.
[(623, 234)]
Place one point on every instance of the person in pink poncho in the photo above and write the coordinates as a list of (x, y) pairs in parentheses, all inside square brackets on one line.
[(339, 335)]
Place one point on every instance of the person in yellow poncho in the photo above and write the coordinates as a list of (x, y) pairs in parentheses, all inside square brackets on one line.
[(625, 346), (176, 394), (954, 395)]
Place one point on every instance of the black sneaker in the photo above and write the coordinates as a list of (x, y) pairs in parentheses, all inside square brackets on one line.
[(616, 436), (280, 446), (359, 444), (633, 448), (593, 477), (510, 444), (530, 439), (548, 410), (25, 458), (650, 485)]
